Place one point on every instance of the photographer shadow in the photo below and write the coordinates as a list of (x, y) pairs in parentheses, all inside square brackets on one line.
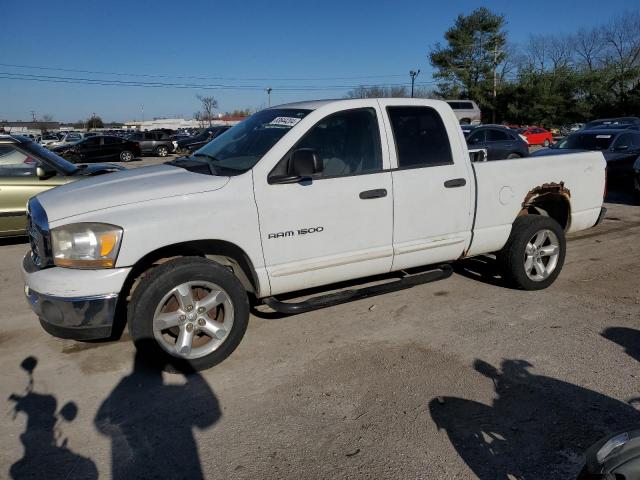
[(46, 453)]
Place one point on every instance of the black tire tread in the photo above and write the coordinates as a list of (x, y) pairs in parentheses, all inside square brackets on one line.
[(510, 258)]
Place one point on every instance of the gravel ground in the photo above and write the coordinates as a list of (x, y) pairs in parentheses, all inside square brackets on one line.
[(457, 379)]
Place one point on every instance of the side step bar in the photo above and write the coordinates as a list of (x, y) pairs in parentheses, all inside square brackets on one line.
[(343, 296)]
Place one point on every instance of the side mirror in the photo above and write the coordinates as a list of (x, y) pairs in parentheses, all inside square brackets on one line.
[(303, 164), (43, 173)]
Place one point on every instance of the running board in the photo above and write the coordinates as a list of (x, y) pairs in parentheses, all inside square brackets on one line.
[(322, 301)]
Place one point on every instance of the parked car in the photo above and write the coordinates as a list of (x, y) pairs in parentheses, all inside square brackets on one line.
[(536, 136), (67, 139), (47, 139), (617, 122), (467, 111), (98, 148), (620, 148), (191, 144), (294, 197), (498, 141), (154, 142), (26, 169), (636, 176)]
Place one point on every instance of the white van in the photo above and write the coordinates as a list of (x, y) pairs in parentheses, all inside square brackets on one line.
[(467, 111)]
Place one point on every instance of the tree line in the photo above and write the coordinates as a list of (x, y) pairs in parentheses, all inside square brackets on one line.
[(549, 80)]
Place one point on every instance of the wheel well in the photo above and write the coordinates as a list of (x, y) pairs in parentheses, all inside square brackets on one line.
[(551, 200), (225, 253)]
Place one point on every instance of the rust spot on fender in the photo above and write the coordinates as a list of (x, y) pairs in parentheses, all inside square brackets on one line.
[(545, 189)]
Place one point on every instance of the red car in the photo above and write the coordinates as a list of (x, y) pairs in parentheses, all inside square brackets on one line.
[(537, 136)]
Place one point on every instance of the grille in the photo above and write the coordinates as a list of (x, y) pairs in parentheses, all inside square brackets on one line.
[(35, 239)]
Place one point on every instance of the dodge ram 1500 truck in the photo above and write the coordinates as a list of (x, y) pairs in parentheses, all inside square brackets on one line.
[(296, 196)]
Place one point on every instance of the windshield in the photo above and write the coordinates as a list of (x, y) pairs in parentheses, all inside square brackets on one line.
[(51, 159), (586, 141), (242, 146)]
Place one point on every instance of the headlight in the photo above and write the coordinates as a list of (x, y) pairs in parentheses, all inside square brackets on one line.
[(86, 245)]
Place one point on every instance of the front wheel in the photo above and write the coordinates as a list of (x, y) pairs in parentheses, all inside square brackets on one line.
[(162, 151), (511, 156), (534, 254), (126, 156), (188, 314)]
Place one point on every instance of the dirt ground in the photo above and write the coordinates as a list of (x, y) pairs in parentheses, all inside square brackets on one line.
[(457, 379)]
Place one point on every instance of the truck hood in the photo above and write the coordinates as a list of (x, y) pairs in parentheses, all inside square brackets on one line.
[(123, 188)]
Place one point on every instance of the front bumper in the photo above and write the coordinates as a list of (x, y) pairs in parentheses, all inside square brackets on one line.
[(72, 303), (79, 318)]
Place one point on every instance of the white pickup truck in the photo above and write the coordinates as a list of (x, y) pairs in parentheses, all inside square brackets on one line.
[(296, 196)]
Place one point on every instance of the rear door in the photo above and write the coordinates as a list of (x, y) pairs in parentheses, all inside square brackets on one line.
[(500, 144), (338, 225), (433, 198)]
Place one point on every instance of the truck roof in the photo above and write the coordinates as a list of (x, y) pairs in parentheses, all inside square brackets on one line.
[(308, 104)]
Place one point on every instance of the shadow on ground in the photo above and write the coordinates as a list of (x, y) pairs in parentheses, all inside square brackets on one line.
[(629, 338), (46, 454), (537, 427), (150, 423), (484, 269)]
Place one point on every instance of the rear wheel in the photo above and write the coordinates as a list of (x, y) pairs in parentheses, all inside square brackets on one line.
[(162, 151), (546, 142), (126, 156), (513, 155), (188, 313), (534, 254)]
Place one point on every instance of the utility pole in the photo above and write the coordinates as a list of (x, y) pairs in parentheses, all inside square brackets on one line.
[(413, 74), (495, 81), (33, 115), (268, 90), (142, 109)]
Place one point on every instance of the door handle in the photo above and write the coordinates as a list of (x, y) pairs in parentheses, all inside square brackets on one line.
[(377, 193), (455, 182)]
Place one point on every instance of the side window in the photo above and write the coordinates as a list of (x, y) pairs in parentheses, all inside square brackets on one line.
[(622, 140), (15, 163), (498, 136), (111, 141), (91, 142), (420, 136), (477, 137), (347, 143)]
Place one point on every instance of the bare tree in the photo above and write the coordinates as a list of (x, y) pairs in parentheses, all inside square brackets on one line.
[(588, 45), (198, 117), (537, 52), (622, 39), (559, 51), (209, 104)]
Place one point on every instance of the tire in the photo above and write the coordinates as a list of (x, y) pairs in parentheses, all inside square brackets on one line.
[(153, 301), (162, 151), (126, 156), (513, 259), (546, 143), (511, 156)]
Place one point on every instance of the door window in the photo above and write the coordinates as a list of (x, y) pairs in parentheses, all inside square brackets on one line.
[(15, 163), (623, 140), (498, 136), (420, 136), (477, 137), (91, 142), (347, 143), (111, 141)]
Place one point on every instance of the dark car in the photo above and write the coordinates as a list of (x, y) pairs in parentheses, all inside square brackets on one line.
[(154, 142), (191, 144), (99, 148), (500, 142), (620, 148), (620, 122), (636, 176)]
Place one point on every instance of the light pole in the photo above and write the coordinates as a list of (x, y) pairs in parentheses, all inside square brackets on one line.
[(268, 90), (413, 74)]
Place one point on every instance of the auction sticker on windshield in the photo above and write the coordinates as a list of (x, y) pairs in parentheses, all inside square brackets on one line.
[(284, 121)]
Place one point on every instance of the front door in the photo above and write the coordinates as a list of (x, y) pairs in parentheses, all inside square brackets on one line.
[(337, 225), (433, 194)]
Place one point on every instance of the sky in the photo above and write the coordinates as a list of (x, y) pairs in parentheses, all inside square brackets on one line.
[(233, 50)]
